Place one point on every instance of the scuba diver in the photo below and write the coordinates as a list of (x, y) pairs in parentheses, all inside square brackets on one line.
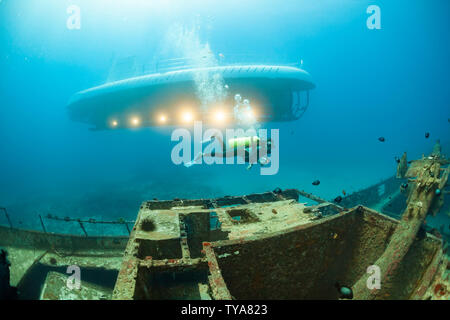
[(234, 144), (245, 117)]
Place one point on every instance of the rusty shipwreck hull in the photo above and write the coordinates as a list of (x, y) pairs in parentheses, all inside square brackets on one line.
[(38, 259), (257, 246), (305, 262), (277, 249)]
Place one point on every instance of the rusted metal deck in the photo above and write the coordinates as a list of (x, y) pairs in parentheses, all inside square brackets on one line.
[(266, 246), (282, 244)]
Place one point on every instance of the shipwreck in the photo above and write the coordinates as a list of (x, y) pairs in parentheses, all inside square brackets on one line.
[(281, 244)]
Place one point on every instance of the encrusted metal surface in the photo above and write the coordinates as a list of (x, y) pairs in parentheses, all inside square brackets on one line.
[(264, 246), (257, 246)]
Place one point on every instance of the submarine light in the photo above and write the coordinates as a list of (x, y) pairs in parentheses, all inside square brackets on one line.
[(135, 121), (114, 123), (162, 119), (187, 116), (250, 115), (219, 116)]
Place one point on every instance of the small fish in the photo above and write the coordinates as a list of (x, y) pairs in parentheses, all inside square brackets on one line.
[(344, 193), (397, 159), (338, 199), (344, 291), (381, 139), (316, 183), (404, 185), (277, 190), (427, 135)]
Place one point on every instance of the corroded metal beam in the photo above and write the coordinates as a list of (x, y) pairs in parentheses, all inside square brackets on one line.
[(419, 204)]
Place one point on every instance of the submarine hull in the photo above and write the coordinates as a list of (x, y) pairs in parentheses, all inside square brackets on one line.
[(277, 94)]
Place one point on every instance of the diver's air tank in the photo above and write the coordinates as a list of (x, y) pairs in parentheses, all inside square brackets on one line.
[(245, 142)]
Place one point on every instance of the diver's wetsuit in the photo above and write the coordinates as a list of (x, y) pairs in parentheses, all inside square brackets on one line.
[(234, 151)]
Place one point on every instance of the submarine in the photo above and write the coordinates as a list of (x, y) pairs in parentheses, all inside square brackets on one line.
[(278, 93)]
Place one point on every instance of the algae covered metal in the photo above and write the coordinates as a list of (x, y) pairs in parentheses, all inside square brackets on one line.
[(281, 244)]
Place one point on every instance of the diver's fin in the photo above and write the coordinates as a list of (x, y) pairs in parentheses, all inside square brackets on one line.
[(189, 164)]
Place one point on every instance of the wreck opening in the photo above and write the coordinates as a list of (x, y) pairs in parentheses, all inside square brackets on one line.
[(47, 282), (242, 215), (159, 249), (172, 283)]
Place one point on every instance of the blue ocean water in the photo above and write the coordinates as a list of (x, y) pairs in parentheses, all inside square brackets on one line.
[(391, 82)]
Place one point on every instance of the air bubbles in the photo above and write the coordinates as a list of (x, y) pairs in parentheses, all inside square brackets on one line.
[(238, 98)]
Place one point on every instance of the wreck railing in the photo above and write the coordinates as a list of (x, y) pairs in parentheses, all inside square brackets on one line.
[(274, 195), (7, 217), (81, 222), (321, 207)]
